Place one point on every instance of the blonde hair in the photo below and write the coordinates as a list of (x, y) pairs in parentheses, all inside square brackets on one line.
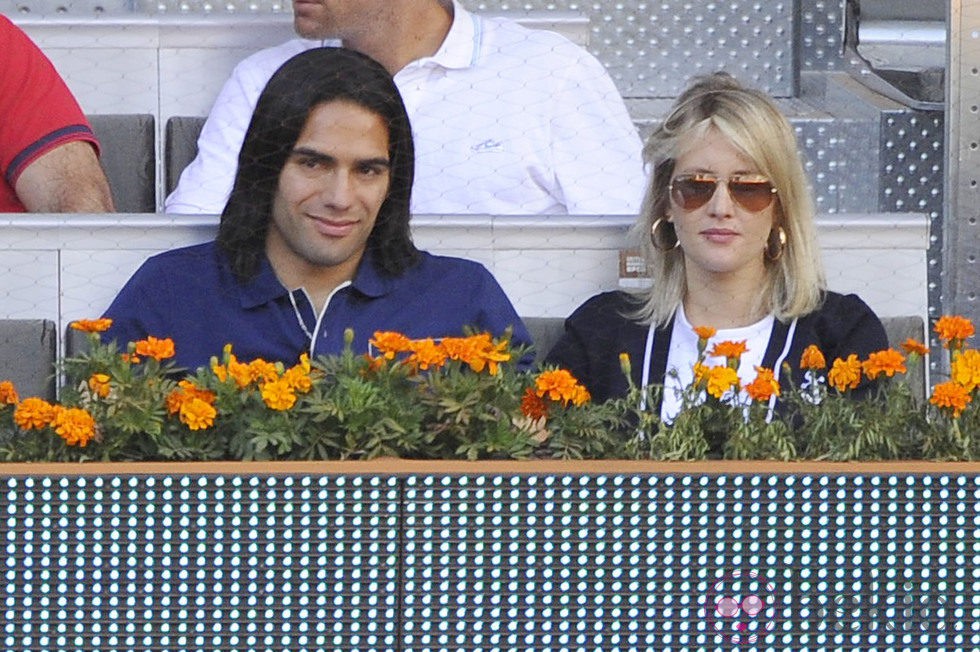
[(753, 123)]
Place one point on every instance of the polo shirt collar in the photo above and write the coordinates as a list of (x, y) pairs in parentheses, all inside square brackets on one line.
[(461, 46), (265, 287)]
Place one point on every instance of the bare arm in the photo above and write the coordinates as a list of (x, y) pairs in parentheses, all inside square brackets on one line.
[(67, 179)]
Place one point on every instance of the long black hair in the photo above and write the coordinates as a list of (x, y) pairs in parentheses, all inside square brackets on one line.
[(302, 83)]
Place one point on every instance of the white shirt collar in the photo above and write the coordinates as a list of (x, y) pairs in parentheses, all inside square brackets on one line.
[(461, 45)]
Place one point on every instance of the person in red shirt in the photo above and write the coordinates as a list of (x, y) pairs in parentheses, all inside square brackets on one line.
[(48, 154)]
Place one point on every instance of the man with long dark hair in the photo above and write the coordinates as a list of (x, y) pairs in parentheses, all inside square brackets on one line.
[(315, 236)]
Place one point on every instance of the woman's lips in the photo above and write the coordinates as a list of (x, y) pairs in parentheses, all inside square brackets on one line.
[(719, 235)]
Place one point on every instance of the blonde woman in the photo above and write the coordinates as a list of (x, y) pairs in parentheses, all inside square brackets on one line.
[(729, 240)]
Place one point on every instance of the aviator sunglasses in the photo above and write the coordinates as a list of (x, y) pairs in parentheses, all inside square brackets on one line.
[(752, 192)]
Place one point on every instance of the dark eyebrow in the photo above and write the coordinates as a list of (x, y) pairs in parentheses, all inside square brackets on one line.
[(320, 157)]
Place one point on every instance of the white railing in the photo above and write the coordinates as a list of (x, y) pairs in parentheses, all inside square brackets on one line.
[(65, 267)]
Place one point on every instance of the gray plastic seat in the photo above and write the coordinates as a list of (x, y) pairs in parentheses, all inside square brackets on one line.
[(27, 356), (129, 159)]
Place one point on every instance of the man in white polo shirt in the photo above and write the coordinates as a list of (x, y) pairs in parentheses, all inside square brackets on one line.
[(507, 120)]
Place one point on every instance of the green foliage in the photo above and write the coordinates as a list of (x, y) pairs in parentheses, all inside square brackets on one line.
[(462, 398)]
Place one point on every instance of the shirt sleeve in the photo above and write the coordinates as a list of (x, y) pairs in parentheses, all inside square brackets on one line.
[(596, 149), (37, 110), (206, 182)]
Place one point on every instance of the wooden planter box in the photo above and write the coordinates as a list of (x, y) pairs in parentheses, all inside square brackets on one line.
[(412, 555)]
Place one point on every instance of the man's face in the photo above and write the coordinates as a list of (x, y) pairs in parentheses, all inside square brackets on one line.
[(336, 19), (329, 194)]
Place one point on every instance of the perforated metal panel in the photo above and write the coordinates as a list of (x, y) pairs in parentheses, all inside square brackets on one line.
[(491, 561)]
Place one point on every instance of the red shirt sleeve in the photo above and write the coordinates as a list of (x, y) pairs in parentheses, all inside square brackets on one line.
[(37, 111)]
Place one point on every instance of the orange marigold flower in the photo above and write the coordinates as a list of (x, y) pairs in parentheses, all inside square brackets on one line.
[(965, 369), (560, 385), (914, 347), (888, 362), (390, 343), (8, 393), (731, 351), (374, 365), (263, 371), (74, 425), (533, 406), (950, 396), (705, 332), (155, 348), (129, 357), (812, 358), (99, 384), (477, 351), (764, 387), (197, 414), (92, 325), (186, 392), (33, 414), (953, 330), (721, 380), (845, 374), (240, 372), (426, 353), (278, 395), (298, 378)]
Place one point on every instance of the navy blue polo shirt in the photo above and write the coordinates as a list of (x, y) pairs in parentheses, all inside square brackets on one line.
[(192, 296)]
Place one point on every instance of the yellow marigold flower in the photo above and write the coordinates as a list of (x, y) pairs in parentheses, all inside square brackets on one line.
[(155, 348), (721, 380), (304, 363), (74, 425), (389, 343), (263, 371), (911, 346), (99, 384), (950, 396), (33, 413), (764, 387), (92, 325), (953, 330), (888, 362), (426, 353), (812, 358), (845, 374), (241, 373), (625, 365), (965, 369), (278, 395), (560, 385), (580, 395), (705, 332), (197, 414), (219, 370), (700, 372), (8, 393), (532, 405), (731, 351), (298, 378)]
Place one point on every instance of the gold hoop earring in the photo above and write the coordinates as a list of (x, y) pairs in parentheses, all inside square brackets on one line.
[(657, 243), (774, 250)]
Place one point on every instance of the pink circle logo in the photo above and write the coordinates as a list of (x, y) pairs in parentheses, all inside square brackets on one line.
[(741, 607)]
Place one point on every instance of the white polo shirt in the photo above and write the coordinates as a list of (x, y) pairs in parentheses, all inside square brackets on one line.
[(507, 121)]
